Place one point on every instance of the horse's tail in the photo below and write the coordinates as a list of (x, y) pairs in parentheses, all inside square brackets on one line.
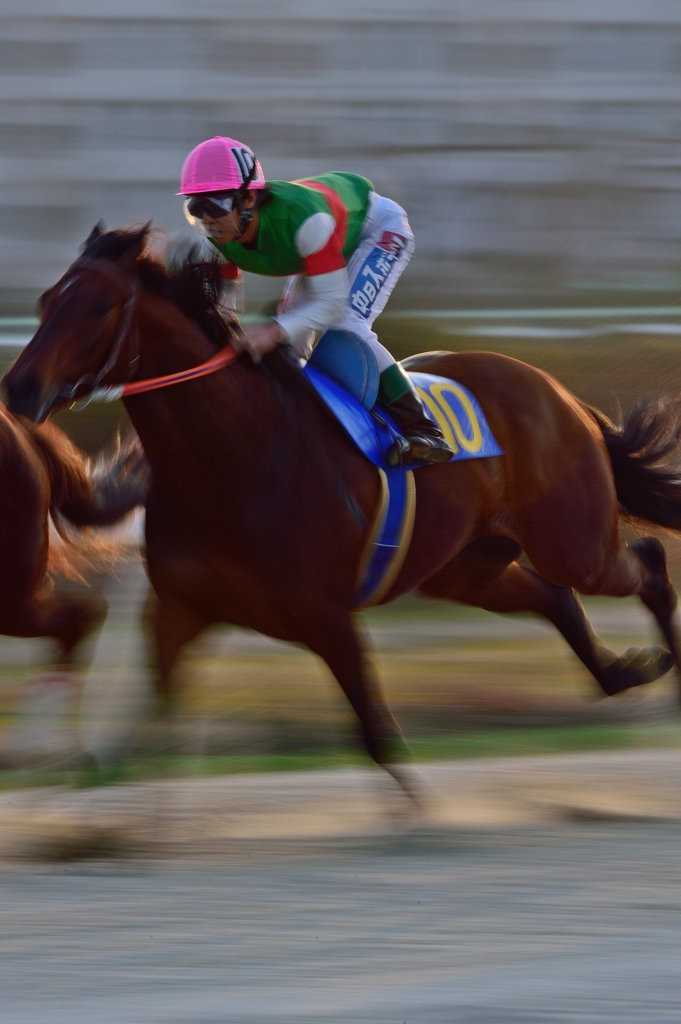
[(645, 452), (89, 492)]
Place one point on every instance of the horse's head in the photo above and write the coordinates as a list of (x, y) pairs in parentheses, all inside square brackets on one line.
[(86, 334)]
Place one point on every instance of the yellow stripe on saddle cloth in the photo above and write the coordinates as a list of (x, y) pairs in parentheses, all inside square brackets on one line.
[(463, 423), (387, 546)]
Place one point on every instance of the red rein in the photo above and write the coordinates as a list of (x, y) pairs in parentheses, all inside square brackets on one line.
[(224, 357)]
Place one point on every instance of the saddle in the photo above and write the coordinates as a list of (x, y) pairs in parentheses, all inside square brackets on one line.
[(344, 373)]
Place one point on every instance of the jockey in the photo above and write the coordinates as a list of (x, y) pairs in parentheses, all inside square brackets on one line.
[(343, 248)]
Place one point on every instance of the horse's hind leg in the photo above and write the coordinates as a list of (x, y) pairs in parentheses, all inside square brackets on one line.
[(486, 575), (602, 563), (658, 592)]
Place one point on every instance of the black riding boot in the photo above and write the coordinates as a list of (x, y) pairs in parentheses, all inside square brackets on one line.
[(421, 438)]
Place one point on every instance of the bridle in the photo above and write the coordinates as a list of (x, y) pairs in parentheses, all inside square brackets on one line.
[(127, 331)]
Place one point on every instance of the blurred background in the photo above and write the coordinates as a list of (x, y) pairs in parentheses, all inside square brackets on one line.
[(535, 145), (537, 149)]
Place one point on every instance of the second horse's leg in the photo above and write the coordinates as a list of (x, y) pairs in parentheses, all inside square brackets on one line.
[(67, 619)]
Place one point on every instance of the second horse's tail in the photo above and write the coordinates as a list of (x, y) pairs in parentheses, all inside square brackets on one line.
[(95, 492), (645, 452)]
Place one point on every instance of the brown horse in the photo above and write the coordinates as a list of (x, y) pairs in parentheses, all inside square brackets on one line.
[(44, 476), (261, 507)]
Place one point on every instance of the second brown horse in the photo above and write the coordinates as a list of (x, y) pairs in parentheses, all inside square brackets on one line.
[(261, 507), (43, 477)]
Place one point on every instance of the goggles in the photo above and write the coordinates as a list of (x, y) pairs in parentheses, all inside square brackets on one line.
[(197, 207)]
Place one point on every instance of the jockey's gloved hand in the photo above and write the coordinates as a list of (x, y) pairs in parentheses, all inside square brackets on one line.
[(260, 339)]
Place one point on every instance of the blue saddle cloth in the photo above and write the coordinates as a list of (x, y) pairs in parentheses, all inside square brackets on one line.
[(447, 403), (464, 425)]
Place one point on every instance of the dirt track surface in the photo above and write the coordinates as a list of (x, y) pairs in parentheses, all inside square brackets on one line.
[(200, 817), (566, 909)]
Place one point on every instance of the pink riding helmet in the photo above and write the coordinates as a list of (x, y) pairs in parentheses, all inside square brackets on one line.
[(219, 164)]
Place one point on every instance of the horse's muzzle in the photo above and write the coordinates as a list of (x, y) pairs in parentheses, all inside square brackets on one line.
[(26, 396)]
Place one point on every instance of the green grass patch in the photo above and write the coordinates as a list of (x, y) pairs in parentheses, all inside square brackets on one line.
[(511, 742), (522, 742)]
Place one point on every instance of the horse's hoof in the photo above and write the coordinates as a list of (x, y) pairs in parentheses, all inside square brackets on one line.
[(636, 667), (410, 783)]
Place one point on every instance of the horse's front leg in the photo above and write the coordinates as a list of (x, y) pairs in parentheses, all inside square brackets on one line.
[(339, 640), (173, 624)]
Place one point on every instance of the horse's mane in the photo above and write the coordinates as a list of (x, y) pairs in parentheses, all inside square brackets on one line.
[(194, 287), (189, 283)]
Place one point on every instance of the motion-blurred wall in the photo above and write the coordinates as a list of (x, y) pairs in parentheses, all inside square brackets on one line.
[(535, 143)]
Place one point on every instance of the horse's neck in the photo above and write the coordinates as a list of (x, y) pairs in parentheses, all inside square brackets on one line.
[(231, 415), (168, 340)]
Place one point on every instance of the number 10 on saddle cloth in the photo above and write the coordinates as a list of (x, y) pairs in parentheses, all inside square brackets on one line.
[(465, 427)]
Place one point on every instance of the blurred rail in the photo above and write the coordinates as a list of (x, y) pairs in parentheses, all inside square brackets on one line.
[(17, 331)]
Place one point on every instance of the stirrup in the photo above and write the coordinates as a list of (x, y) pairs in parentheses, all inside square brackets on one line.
[(432, 453), (399, 453)]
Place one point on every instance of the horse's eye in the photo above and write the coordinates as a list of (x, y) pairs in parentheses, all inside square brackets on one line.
[(100, 308)]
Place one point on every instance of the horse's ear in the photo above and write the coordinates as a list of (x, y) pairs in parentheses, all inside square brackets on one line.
[(135, 247), (98, 230), (42, 300)]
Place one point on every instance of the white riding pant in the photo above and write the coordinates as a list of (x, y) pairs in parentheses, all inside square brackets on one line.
[(385, 247)]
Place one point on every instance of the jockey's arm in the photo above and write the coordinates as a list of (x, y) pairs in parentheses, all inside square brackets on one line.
[(232, 291), (326, 287), (326, 296), (325, 292)]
